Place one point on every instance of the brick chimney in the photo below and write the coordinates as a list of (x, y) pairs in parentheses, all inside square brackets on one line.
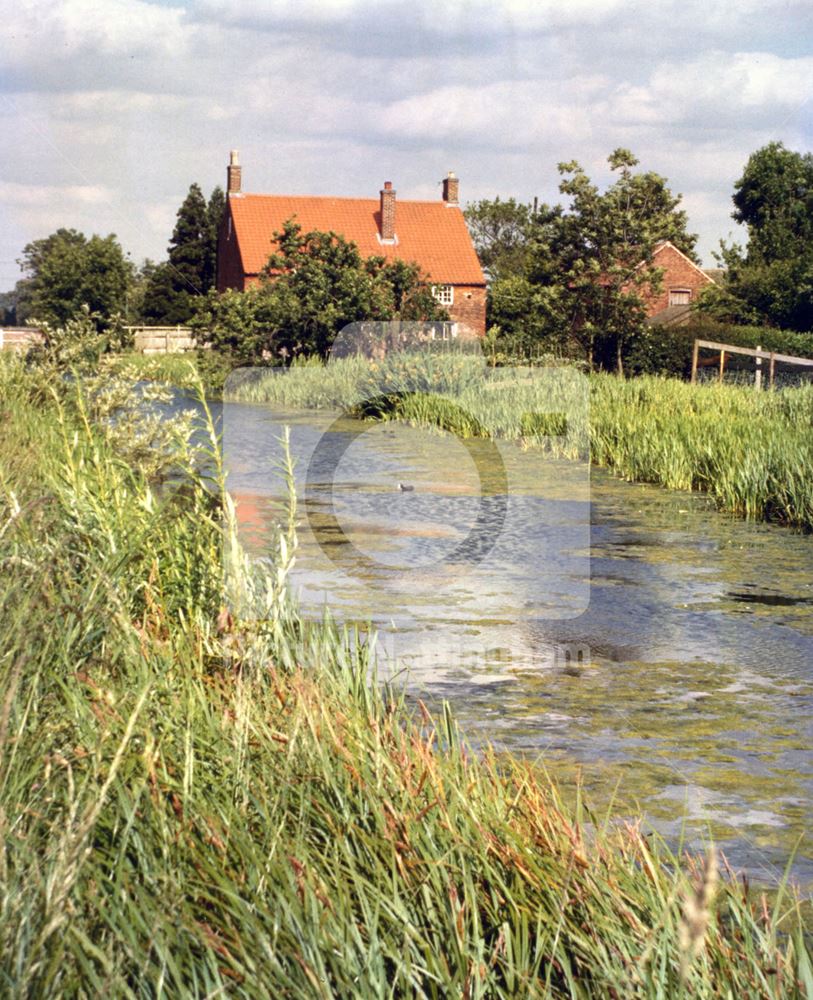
[(387, 213), (234, 173), (451, 189)]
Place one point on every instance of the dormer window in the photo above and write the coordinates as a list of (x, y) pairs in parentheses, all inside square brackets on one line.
[(444, 294)]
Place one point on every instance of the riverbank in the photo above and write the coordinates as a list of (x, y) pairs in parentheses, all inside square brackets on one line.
[(752, 452), (196, 803)]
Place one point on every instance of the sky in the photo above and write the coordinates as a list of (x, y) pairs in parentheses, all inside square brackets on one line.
[(112, 108)]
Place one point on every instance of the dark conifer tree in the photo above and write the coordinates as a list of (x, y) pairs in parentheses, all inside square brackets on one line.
[(176, 287)]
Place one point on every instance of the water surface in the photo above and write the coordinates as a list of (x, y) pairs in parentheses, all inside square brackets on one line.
[(628, 635)]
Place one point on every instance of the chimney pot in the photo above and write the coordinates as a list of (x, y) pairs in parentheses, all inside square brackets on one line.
[(387, 213), (234, 173)]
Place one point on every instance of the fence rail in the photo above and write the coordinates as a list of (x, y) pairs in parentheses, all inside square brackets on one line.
[(772, 357), (162, 339), (19, 338)]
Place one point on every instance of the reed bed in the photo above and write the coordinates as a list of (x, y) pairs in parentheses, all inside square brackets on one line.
[(751, 451), (202, 795)]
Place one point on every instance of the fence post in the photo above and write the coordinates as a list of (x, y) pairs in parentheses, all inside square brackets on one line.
[(771, 371), (758, 375), (722, 365), (695, 354)]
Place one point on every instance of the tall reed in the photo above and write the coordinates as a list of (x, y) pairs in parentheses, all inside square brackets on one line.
[(203, 795), (752, 451)]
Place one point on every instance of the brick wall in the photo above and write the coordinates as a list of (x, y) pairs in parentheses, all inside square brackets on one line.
[(229, 263), (678, 273), (469, 309)]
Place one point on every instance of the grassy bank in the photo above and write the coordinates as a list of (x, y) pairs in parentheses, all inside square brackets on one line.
[(753, 452), (172, 369), (198, 804)]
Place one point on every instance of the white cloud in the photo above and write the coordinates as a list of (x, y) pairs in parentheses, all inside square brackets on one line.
[(39, 29), (717, 88), (512, 112), (136, 100), (454, 17), (53, 195)]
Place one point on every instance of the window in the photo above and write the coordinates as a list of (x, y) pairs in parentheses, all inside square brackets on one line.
[(444, 294), (443, 331), (679, 296)]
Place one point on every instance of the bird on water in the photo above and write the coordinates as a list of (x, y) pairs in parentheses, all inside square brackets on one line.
[(404, 488)]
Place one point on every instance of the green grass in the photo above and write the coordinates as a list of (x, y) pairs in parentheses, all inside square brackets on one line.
[(174, 369), (202, 795), (752, 451)]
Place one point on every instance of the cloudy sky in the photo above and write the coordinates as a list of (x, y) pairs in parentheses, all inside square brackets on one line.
[(111, 108)]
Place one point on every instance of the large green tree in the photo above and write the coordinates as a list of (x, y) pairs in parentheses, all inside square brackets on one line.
[(594, 258), (771, 279), (66, 271), (500, 230), (314, 284), (774, 199), (176, 285)]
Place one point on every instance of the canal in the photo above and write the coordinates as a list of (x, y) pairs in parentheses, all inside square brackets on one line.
[(631, 639)]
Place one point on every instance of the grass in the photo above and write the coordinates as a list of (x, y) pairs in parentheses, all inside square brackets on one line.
[(202, 795), (753, 452), (173, 369)]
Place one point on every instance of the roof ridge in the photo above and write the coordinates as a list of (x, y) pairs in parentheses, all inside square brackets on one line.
[(345, 197)]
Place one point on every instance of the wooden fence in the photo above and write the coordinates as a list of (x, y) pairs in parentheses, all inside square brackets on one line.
[(19, 338), (162, 339), (770, 356)]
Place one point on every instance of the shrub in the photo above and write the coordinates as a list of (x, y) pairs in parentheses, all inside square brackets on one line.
[(668, 350)]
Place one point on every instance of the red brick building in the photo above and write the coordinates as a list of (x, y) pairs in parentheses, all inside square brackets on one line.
[(432, 234), (681, 285)]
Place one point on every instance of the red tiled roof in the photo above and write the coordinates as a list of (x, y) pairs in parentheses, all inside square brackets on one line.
[(432, 234)]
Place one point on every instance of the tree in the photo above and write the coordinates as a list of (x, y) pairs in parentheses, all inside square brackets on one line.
[(314, 284), (774, 199), (176, 284), (499, 231), (772, 279), (66, 271), (596, 257), (214, 215), (164, 301), (8, 307)]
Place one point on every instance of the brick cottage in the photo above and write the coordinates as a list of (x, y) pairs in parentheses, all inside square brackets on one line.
[(681, 284), (431, 234)]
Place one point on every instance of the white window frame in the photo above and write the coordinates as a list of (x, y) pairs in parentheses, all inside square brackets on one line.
[(444, 294), (680, 291), (444, 331)]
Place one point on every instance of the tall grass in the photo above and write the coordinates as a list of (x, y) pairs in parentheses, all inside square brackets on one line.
[(752, 451), (199, 803)]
